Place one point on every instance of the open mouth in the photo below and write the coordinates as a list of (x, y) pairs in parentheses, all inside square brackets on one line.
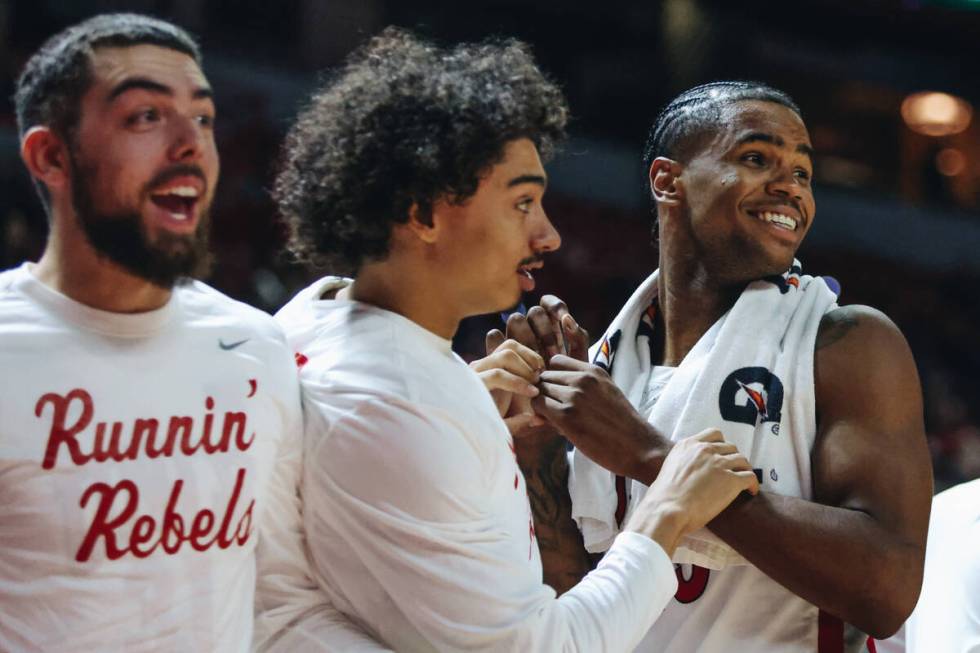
[(178, 201), (777, 219), (526, 276)]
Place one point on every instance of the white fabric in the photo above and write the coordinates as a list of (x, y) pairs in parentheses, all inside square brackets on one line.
[(78, 381), (416, 512), (723, 603), (767, 328), (947, 616)]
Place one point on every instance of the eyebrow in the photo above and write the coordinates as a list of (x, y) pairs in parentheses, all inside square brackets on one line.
[(147, 84), (528, 179), (755, 137)]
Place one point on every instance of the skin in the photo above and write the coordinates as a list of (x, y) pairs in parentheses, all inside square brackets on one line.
[(465, 261), (147, 111), (857, 549)]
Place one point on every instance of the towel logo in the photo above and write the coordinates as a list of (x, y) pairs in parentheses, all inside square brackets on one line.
[(790, 280), (750, 395), (607, 351)]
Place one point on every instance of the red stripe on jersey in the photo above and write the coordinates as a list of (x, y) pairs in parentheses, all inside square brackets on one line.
[(620, 500), (830, 633)]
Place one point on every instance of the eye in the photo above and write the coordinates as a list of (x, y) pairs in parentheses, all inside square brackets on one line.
[(803, 174), (143, 117), (206, 120), (525, 205), (755, 158)]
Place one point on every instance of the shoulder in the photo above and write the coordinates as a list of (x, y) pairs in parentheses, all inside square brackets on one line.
[(851, 335), (201, 301), (862, 359), (857, 324)]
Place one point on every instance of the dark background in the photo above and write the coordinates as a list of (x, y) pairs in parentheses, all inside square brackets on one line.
[(897, 231)]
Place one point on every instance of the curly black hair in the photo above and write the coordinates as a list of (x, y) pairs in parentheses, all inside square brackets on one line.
[(404, 123)]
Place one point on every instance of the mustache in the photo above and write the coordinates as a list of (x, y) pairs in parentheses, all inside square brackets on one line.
[(179, 170), (536, 258)]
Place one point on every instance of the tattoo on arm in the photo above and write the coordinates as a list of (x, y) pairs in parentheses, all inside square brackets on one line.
[(835, 325), (563, 554)]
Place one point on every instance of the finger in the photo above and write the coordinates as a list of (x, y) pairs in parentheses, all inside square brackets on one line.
[(523, 422), (556, 310), (709, 435), (576, 338), (561, 378), (564, 363), (749, 480), (548, 408), (507, 359), (737, 462), (723, 449), (531, 357), (562, 393), (518, 329), (500, 379), (548, 335), (494, 339)]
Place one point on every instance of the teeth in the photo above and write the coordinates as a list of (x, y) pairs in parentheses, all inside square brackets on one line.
[(180, 191), (779, 220)]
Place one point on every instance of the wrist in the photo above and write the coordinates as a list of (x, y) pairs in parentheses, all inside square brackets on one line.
[(665, 525), (647, 462)]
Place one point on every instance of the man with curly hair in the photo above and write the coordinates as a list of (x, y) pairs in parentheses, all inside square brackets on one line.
[(418, 171)]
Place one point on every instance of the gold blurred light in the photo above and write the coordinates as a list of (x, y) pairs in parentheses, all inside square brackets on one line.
[(950, 162), (936, 114)]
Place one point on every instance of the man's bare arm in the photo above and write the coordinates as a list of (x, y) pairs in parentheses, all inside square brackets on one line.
[(541, 456), (857, 551)]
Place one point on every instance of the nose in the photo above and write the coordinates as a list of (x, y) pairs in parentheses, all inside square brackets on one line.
[(545, 238), (785, 184), (188, 140)]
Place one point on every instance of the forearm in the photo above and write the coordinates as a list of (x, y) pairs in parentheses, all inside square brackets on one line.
[(841, 560), (545, 468)]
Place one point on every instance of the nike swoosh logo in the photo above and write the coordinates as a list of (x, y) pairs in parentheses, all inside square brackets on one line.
[(231, 345)]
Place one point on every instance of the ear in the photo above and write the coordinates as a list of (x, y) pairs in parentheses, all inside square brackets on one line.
[(426, 230), (665, 184), (46, 157)]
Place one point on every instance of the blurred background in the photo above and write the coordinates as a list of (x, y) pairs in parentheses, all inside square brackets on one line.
[(889, 89)]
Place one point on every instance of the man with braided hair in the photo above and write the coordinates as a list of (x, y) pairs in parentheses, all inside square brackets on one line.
[(729, 333), (418, 170)]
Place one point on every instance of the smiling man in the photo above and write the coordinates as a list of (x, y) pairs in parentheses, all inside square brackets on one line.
[(729, 333), (150, 425), (418, 170)]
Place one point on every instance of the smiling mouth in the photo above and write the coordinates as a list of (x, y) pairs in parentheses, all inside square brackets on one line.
[(178, 201), (776, 219)]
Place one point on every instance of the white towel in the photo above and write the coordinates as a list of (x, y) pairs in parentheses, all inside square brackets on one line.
[(750, 376)]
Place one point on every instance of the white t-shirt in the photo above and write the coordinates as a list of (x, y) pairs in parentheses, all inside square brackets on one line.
[(947, 616), (137, 461), (416, 512)]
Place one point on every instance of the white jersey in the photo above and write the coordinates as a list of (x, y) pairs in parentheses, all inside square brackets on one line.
[(416, 512), (947, 616), (136, 454)]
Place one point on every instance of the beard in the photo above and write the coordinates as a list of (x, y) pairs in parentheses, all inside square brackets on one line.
[(121, 236)]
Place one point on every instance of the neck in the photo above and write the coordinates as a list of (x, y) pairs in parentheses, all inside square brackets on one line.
[(690, 302), (71, 266), (398, 286)]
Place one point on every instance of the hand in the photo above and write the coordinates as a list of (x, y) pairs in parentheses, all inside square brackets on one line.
[(550, 329), (509, 371), (583, 403), (699, 478)]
